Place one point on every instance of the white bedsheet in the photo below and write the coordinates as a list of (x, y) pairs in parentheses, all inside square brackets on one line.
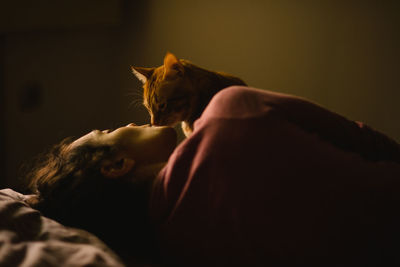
[(29, 239)]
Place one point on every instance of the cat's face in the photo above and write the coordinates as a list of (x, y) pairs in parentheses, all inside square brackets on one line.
[(167, 94)]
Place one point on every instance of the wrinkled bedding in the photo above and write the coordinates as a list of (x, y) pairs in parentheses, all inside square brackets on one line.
[(29, 239)]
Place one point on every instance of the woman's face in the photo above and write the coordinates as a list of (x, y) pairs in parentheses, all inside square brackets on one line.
[(145, 144)]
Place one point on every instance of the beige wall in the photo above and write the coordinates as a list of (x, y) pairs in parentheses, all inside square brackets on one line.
[(341, 54)]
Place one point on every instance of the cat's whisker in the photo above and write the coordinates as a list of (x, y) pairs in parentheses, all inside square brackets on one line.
[(136, 94), (136, 103)]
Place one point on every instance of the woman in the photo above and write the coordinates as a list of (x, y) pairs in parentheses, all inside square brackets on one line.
[(265, 179), (101, 183)]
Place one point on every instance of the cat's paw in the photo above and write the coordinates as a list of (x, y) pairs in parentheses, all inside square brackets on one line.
[(186, 128)]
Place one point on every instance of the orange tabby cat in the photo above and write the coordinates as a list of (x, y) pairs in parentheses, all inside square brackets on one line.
[(179, 91)]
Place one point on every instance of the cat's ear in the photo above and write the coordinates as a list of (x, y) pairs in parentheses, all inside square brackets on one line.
[(173, 66), (143, 74)]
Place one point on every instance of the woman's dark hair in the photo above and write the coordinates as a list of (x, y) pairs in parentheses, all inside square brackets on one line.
[(71, 189), (59, 174)]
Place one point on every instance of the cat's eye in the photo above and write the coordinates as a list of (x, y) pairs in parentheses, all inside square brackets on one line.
[(162, 106)]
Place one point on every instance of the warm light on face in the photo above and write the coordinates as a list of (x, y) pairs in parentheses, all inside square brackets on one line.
[(143, 143)]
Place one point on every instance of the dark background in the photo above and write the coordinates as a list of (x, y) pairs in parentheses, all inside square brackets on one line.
[(65, 65)]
